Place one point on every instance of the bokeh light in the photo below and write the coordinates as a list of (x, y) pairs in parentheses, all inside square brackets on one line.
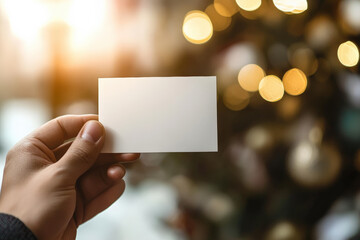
[(349, 124), (320, 32), (289, 107), (235, 98), (197, 27), (85, 22), (316, 135), (259, 12), (349, 11), (34, 16), (348, 54), (350, 84), (284, 230), (314, 166), (250, 168), (304, 58), (295, 82), (271, 88), (249, 5), (240, 54), (234, 58), (291, 6), (26, 22), (218, 207), (18, 117), (271, 16), (250, 76), (219, 22), (226, 8), (258, 138)]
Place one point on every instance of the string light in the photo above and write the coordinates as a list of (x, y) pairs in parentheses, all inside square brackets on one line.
[(291, 6), (348, 54), (219, 22), (249, 5), (271, 88), (295, 82), (250, 76), (197, 27)]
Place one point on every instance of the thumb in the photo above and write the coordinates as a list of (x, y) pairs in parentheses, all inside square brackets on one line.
[(84, 151)]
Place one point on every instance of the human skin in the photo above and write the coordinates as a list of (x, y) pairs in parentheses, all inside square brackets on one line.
[(53, 185)]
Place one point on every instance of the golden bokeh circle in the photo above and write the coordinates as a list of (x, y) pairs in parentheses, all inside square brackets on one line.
[(197, 27), (235, 98), (348, 54), (295, 82), (271, 88), (250, 76), (226, 8), (291, 6), (219, 22), (249, 5), (304, 58)]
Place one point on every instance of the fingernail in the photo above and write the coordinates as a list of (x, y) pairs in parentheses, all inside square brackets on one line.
[(92, 131), (116, 172)]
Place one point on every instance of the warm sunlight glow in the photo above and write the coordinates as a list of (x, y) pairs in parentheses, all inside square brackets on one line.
[(27, 20), (83, 20), (33, 16)]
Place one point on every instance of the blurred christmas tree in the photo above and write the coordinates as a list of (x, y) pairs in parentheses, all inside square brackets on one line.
[(289, 122)]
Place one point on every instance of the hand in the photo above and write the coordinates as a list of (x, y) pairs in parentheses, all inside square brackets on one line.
[(53, 186)]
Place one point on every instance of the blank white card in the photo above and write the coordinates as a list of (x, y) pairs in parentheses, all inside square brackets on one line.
[(159, 114)]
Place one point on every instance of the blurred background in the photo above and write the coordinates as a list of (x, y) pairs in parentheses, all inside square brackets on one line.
[(288, 108)]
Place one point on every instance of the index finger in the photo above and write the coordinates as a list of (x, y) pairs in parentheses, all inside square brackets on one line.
[(57, 131)]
